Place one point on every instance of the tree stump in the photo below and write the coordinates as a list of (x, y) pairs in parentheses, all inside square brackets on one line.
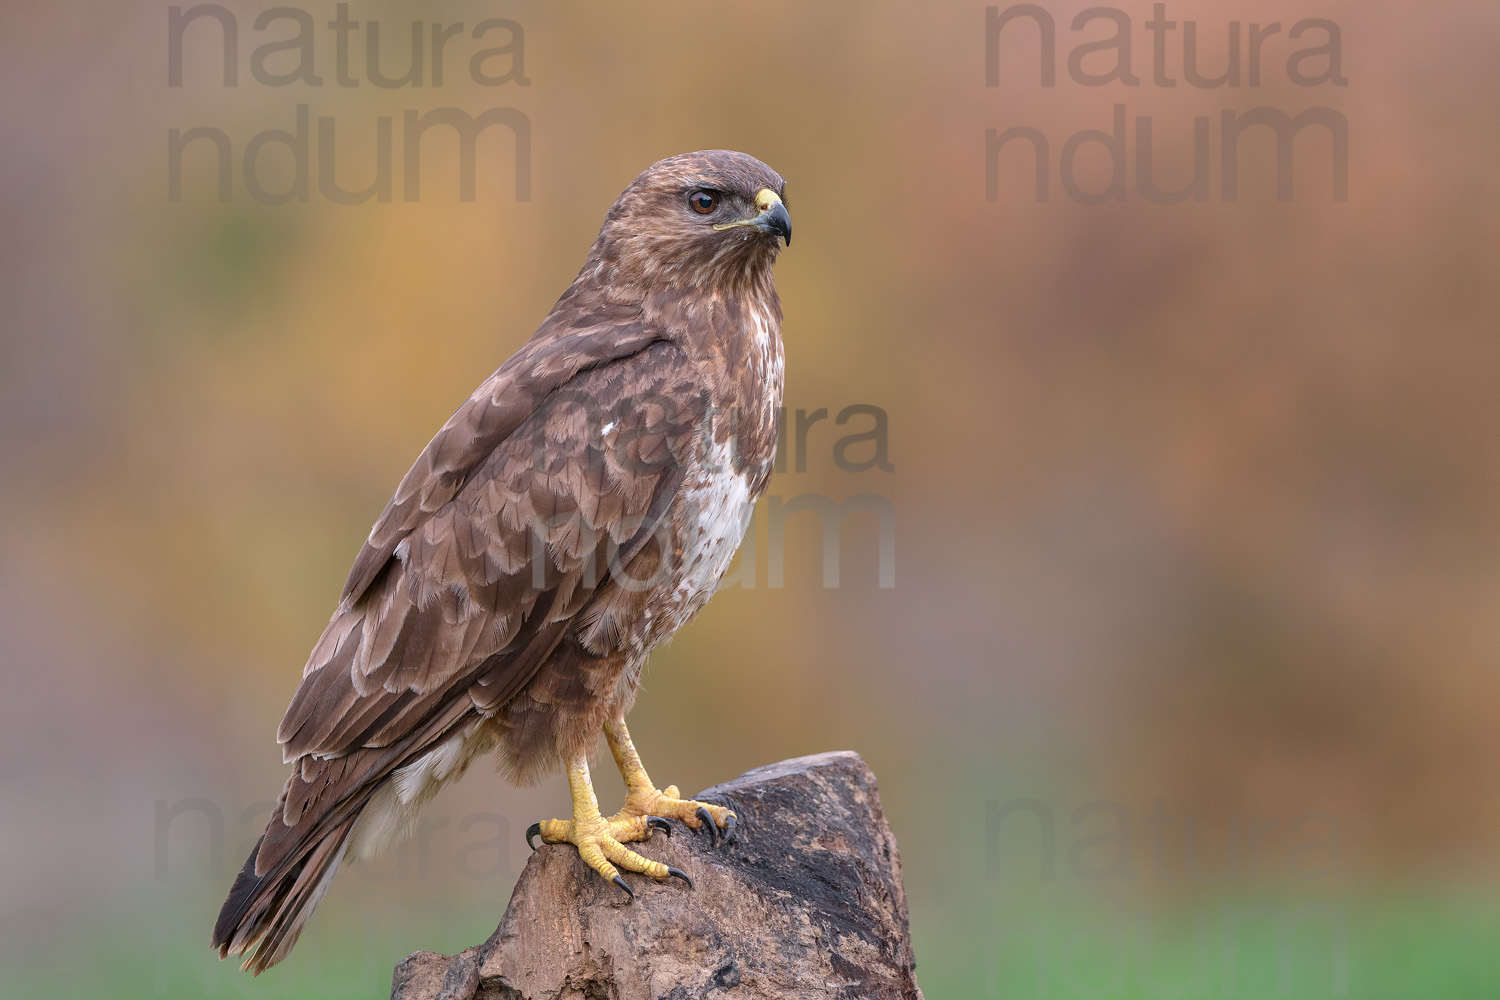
[(807, 902)]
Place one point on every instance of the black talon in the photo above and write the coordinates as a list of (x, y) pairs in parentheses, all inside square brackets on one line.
[(729, 835), (679, 873), (708, 823), (534, 830), (658, 823), (628, 891)]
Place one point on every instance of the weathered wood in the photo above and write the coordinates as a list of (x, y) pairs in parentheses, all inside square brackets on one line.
[(807, 903)]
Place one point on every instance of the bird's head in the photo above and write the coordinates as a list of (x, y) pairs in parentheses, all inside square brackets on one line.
[(715, 216)]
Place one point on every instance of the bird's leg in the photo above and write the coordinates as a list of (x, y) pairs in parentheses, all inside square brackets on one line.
[(599, 840), (643, 801)]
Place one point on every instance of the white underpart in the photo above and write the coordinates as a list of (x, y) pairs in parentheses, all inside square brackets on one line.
[(392, 812), (772, 363), (716, 505)]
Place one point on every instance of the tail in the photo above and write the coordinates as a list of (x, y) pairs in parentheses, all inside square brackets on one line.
[(349, 804), (264, 914)]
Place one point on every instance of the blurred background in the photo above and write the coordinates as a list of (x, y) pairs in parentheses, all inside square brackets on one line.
[(1187, 683)]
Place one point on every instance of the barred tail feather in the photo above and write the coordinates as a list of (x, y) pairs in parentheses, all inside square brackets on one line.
[(264, 914)]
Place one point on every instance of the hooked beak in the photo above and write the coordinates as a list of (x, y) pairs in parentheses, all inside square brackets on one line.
[(773, 217)]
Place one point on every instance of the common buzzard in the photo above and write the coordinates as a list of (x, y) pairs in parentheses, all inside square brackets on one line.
[(579, 508)]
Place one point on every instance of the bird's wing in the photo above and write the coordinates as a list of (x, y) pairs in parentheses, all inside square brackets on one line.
[(496, 542), (577, 336)]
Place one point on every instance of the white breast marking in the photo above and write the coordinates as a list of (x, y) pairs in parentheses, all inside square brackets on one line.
[(716, 508)]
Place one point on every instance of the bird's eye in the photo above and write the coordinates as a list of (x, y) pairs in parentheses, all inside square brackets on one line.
[(703, 202)]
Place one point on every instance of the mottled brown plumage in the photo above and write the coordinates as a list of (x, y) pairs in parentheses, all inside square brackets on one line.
[(575, 511)]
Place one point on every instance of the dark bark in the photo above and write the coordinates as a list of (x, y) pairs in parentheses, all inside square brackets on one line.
[(806, 903)]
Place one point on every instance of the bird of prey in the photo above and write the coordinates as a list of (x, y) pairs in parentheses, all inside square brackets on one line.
[(580, 507)]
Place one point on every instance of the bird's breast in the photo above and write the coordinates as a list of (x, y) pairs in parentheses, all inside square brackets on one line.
[(759, 373), (713, 510)]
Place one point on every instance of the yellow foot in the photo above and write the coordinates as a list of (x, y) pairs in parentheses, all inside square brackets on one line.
[(645, 804), (644, 800), (601, 842)]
